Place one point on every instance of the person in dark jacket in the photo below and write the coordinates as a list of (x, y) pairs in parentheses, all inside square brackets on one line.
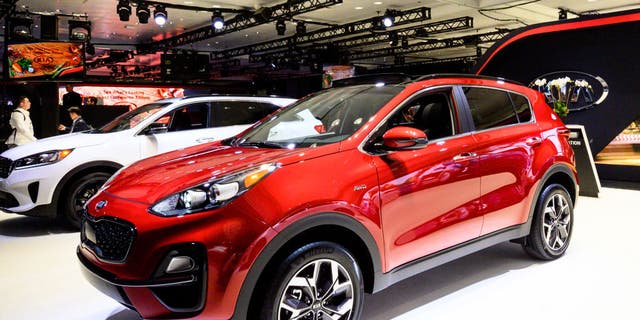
[(78, 123)]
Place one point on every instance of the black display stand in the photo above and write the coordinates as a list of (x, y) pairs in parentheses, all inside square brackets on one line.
[(587, 174)]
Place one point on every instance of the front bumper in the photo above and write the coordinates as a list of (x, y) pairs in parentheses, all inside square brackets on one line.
[(26, 190), (181, 295)]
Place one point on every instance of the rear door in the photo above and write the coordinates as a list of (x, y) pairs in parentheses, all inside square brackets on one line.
[(507, 138), (229, 118)]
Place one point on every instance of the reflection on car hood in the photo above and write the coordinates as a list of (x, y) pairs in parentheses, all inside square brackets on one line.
[(152, 179), (65, 141)]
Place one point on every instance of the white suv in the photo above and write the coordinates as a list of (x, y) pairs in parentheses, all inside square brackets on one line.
[(54, 177)]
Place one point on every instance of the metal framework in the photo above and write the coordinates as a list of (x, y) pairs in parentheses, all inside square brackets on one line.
[(464, 59), (456, 24), (362, 26), (428, 46), (239, 22)]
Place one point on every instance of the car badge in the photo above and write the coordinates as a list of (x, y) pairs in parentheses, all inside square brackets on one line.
[(101, 204)]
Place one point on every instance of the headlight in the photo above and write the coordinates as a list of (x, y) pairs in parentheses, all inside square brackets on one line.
[(41, 159), (211, 194)]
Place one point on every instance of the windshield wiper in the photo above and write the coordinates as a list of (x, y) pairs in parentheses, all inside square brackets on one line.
[(262, 144)]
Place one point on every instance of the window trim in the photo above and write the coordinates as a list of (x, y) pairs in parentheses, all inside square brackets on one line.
[(456, 110), (468, 108)]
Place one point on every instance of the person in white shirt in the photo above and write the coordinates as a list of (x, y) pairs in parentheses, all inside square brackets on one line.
[(21, 123)]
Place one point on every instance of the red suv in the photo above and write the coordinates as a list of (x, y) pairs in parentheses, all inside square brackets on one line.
[(347, 191)]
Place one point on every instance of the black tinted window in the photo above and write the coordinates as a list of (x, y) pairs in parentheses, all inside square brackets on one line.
[(490, 108), (229, 113), (522, 107), (193, 116)]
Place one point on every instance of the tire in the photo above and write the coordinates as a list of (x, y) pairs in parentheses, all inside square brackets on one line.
[(302, 287), (78, 194), (552, 224)]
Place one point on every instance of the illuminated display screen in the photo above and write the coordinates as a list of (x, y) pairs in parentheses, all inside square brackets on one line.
[(45, 60)]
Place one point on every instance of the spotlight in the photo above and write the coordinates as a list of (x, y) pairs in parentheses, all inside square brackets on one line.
[(124, 10), (405, 43), (562, 14), (281, 27), (301, 28), (20, 27), (79, 30), (143, 12), (393, 38), (160, 15), (217, 21), (388, 19)]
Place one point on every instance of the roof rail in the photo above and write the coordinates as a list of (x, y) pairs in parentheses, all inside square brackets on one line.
[(462, 75)]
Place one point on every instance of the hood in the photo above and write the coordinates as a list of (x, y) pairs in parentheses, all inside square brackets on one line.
[(152, 179), (65, 141)]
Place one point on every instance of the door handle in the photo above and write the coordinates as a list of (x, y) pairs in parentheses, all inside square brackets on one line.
[(203, 140), (464, 156), (533, 141)]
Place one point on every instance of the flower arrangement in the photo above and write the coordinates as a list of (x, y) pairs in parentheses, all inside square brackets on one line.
[(562, 91)]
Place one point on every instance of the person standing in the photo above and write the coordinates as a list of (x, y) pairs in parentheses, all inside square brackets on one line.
[(78, 123), (71, 98), (21, 123)]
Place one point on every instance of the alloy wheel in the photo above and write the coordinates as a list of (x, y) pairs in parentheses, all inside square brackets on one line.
[(556, 222), (320, 290)]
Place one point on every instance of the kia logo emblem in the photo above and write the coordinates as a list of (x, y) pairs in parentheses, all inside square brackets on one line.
[(578, 90), (101, 204)]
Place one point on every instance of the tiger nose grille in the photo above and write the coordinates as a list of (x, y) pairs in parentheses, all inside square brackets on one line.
[(5, 167), (109, 238)]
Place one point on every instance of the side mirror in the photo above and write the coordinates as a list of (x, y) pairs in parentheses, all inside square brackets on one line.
[(156, 128), (404, 138)]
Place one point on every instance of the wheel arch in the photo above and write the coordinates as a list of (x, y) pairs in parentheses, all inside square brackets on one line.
[(338, 228), (85, 168), (559, 173)]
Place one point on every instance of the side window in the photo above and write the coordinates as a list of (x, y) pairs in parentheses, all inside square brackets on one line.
[(431, 113), (490, 108), (521, 104), (230, 113), (193, 116)]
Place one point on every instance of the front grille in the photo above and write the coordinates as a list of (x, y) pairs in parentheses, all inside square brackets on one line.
[(6, 165), (109, 238)]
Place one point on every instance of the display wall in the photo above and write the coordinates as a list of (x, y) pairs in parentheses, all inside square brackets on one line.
[(597, 54)]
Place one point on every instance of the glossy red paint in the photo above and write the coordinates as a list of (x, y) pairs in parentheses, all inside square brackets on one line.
[(411, 203)]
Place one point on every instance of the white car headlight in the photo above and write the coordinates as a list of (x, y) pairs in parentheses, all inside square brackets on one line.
[(211, 194), (41, 159)]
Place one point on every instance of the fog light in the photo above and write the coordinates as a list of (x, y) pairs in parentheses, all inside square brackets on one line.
[(180, 264)]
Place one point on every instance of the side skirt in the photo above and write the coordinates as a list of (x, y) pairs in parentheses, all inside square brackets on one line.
[(415, 267)]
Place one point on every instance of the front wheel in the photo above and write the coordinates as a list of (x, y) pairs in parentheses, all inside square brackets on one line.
[(78, 194), (319, 281), (552, 224)]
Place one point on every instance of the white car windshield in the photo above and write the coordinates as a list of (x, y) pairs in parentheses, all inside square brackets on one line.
[(326, 117), (131, 118)]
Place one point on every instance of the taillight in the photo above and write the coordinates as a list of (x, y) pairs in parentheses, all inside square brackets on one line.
[(320, 128)]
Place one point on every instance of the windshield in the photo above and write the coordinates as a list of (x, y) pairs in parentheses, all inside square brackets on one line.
[(131, 118), (322, 118)]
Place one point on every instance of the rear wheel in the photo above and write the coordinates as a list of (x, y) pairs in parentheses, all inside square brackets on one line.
[(319, 281), (552, 224), (78, 194)]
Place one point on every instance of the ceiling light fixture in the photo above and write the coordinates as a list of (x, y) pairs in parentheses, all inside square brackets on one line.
[(301, 28), (389, 18), (217, 21), (143, 13), (160, 15), (124, 10), (281, 27), (79, 30)]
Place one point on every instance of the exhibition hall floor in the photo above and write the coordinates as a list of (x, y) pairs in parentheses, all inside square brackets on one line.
[(598, 278)]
